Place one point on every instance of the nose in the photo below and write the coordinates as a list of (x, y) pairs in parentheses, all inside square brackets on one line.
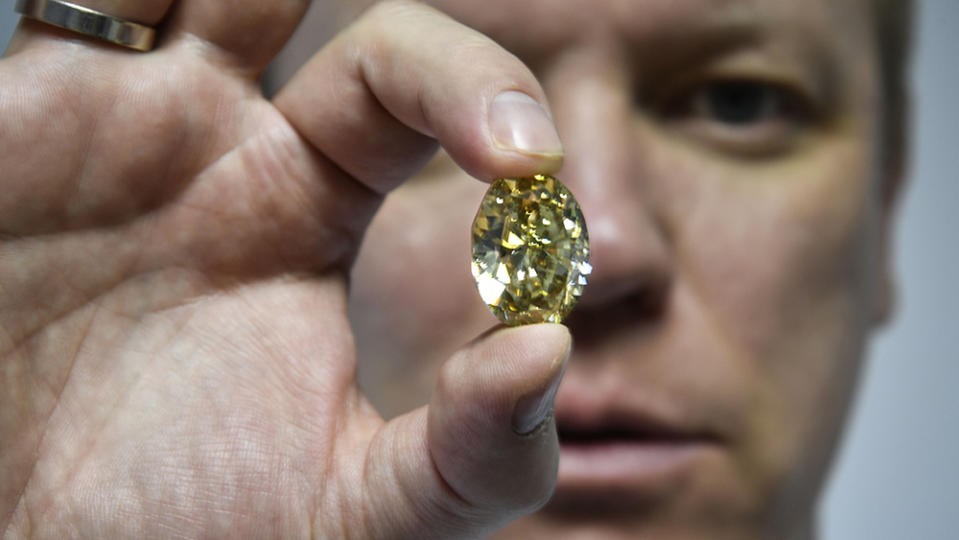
[(629, 252)]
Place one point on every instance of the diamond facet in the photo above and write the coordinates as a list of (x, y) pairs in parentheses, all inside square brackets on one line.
[(530, 250)]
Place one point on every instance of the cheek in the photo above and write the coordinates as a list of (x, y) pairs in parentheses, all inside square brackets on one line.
[(788, 278), (413, 301), (794, 255)]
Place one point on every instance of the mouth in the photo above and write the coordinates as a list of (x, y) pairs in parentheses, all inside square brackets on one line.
[(615, 461)]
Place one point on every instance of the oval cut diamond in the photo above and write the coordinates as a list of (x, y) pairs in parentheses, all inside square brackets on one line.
[(530, 250)]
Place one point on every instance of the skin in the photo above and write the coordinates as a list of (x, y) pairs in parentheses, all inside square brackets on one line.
[(176, 354), (739, 269), (176, 351)]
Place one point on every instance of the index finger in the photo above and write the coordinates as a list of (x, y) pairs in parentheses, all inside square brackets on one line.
[(373, 99)]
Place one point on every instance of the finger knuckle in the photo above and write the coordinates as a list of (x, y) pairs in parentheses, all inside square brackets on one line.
[(389, 13)]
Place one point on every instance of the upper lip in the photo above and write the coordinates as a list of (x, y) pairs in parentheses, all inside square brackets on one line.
[(611, 416), (635, 429)]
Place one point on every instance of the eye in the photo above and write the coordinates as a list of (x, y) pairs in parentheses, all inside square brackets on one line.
[(745, 117), (737, 103)]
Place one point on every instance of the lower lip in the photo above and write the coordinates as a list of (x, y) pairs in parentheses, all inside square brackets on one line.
[(621, 467)]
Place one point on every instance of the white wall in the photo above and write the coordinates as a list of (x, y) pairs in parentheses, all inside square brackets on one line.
[(897, 477), (8, 19)]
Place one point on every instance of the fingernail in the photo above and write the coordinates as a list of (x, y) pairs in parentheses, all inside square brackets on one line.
[(519, 122), (532, 410)]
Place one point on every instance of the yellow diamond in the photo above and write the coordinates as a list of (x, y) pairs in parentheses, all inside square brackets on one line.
[(530, 250)]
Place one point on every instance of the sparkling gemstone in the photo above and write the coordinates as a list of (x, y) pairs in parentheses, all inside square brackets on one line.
[(530, 250)]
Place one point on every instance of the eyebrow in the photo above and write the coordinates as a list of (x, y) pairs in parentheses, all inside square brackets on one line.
[(689, 41), (675, 46), (670, 35)]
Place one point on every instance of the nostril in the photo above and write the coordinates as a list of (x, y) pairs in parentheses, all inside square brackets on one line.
[(638, 303), (650, 300), (643, 291), (630, 260)]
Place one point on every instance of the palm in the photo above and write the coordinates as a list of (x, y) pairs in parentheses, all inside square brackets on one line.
[(173, 335), (172, 341)]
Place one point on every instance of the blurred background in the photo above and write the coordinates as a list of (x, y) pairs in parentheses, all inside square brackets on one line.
[(897, 475)]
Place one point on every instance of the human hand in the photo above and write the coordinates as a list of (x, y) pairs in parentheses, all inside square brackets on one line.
[(176, 356)]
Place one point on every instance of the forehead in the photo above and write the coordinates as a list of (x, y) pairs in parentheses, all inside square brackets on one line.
[(535, 28)]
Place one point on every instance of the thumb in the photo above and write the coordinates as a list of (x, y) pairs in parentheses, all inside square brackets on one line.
[(483, 453)]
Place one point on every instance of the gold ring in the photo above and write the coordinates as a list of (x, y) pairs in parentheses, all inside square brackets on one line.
[(88, 22)]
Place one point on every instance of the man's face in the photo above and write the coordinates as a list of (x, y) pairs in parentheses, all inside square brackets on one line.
[(725, 155)]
